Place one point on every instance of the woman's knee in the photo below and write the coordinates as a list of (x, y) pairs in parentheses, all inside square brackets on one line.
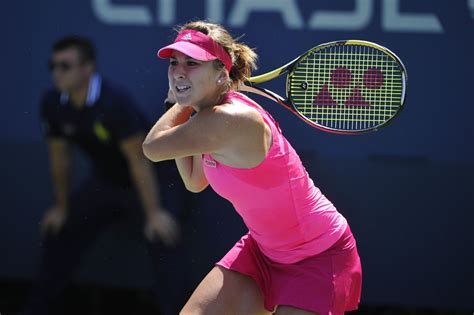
[(225, 292), (187, 311)]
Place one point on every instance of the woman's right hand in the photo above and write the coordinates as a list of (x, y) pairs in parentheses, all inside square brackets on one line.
[(53, 220)]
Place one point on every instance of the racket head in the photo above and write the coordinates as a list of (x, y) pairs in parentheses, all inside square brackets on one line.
[(347, 87)]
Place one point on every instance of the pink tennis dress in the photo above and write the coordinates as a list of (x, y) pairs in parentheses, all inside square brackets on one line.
[(299, 249)]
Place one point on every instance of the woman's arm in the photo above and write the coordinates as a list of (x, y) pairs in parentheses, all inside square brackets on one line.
[(173, 117), (176, 135), (189, 167), (234, 133), (192, 174)]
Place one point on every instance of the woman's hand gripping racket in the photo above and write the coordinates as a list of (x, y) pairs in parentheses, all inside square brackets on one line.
[(346, 87)]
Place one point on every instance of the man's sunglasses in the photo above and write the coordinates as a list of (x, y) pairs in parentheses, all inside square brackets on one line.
[(63, 66)]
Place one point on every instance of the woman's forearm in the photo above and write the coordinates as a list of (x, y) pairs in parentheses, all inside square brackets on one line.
[(175, 116)]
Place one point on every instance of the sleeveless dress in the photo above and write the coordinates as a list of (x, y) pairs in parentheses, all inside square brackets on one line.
[(299, 248)]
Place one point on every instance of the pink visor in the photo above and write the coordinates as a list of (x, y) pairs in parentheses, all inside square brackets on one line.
[(197, 45)]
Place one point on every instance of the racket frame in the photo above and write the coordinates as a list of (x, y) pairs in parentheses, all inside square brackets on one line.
[(250, 84)]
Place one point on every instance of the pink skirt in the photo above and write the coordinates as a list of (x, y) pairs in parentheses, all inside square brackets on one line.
[(328, 283)]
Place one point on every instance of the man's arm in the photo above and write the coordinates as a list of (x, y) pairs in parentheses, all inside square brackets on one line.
[(60, 158), (158, 219)]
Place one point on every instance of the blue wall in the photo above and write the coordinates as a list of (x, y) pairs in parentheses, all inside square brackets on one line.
[(407, 189)]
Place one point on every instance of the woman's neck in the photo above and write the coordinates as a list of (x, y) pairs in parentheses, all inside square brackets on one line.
[(217, 100)]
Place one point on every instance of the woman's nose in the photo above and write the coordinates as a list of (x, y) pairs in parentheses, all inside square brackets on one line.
[(179, 72)]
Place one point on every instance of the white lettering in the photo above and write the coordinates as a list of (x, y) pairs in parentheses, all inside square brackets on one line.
[(358, 19), (215, 10), (470, 4), (110, 13), (354, 21), (288, 9), (393, 20), (166, 12)]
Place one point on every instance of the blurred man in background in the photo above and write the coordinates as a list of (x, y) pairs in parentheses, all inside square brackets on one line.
[(102, 121)]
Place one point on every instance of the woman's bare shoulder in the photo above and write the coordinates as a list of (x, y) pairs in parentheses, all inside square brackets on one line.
[(238, 111)]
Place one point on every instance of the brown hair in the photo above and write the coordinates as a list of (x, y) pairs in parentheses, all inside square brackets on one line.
[(244, 58), (83, 45)]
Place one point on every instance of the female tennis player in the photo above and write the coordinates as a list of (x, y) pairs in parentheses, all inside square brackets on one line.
[(299, 256)]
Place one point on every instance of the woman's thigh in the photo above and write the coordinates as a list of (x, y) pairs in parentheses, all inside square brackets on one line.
[(224, 291), (288, 310)]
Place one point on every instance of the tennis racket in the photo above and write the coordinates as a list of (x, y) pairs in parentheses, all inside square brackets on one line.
[(345, 87)]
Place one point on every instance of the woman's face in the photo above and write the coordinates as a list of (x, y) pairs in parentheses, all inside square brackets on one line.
[(194, 83)]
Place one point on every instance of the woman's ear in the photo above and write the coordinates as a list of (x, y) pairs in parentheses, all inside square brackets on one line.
[(222, 78)]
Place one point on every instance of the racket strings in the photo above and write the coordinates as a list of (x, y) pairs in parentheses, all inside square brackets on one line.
[(347, 87)]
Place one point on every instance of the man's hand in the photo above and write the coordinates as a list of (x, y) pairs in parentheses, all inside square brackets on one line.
[(163, 225), (53, 220)]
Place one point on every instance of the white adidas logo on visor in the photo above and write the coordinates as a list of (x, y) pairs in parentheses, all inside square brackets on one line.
[(187, 37)]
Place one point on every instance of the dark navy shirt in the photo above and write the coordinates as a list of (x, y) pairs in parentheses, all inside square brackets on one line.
[(108, 117)]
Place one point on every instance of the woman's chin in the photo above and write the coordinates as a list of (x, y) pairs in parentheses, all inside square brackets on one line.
[(184, 103)]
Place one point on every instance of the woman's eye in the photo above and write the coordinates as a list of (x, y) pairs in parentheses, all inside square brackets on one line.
[(173, 62), (191, 63)]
